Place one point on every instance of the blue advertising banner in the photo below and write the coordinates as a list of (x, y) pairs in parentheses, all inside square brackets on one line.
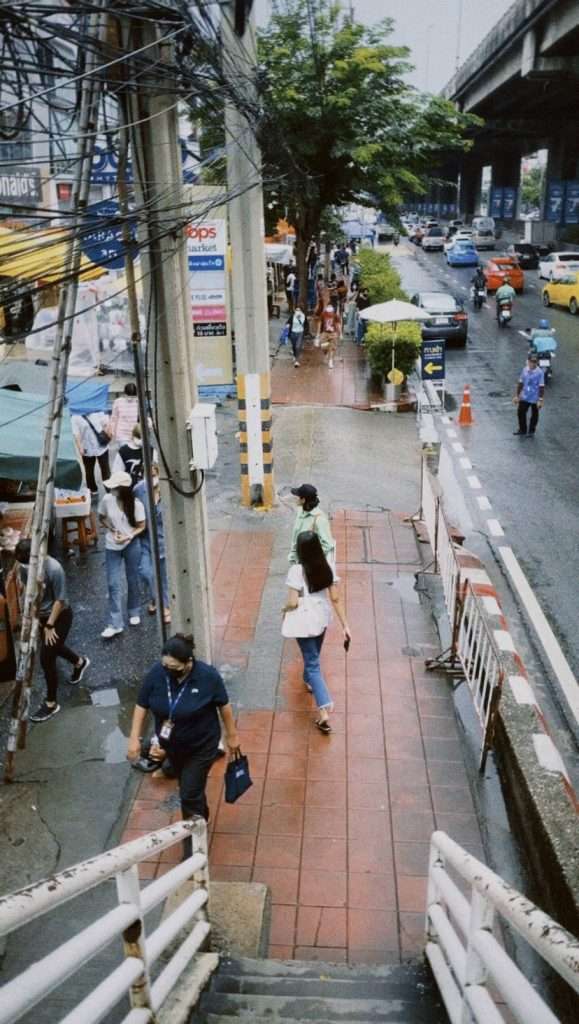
[(433, 359), (496, 204), (554, 202), (572, 202), (509, 203), (103, 244)]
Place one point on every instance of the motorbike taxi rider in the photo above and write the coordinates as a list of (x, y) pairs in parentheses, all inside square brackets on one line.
[(506, 293), (478, 280)]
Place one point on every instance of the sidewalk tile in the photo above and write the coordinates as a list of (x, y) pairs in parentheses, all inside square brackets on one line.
[(371, 892), (284, 791), (409, 797), (368, 795), (283, 927), (326, 954), (412, 893), (230, 873), (286, 766), (366, 769), (278, 851), (326, 793), (370, 855), (282, 882), (239, 817), (323, 888), (412, 826), (372, 929), (235, 849), (282, 820), (412, 934), (323, 852), (325, 822), (452, 799), (411, 858), (366, 823), (318, 926)]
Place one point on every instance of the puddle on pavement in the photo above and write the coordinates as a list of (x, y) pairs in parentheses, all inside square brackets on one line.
[(405, 585), (115, 746)]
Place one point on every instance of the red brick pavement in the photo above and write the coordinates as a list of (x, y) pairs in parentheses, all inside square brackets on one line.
[(337, 826), (348, 384)]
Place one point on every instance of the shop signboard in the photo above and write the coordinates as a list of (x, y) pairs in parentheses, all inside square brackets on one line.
[(206, 257), (509, 203), (20, 186), (496, 203), (103, 244), (572, 202)]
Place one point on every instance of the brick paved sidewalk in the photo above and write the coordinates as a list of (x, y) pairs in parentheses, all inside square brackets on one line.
[(337, 826), (312, 383)]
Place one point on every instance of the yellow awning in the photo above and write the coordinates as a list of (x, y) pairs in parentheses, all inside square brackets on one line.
[(39, 256)]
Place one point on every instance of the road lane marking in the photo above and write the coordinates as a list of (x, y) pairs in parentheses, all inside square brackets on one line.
[(495, 528), (474, 482), (549, 642), (484, 504), (522, 690), (465, 463), (451, 432), (458, 447)]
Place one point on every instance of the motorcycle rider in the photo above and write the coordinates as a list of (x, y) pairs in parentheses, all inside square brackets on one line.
[(506, 293), (479, 284)]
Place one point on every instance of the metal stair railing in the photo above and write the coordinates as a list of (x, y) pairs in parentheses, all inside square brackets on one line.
[(466, 958), (133, 975)]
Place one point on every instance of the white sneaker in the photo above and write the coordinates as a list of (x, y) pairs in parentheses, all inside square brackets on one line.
[(110, 631), (296, 362), (331, 364), (135, 620)]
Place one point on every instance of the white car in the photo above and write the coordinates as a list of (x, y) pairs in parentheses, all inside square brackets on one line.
[(484, 238), (558, 263), (433, 240), (464, 235)]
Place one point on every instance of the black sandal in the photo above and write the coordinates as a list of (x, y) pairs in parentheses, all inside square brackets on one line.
[(324, 726)]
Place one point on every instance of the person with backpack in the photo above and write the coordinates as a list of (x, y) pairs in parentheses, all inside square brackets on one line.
[(93, 436), (296, 324)]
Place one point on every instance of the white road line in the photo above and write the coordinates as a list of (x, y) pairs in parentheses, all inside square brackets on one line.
[(495, 528), (547, 754), (445, 419), (465, 463), (549, 642), (484, 504), (451, 432), (457, 447), (474, 482)]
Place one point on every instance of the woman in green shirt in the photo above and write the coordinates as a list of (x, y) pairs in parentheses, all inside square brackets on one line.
[(310, 517)]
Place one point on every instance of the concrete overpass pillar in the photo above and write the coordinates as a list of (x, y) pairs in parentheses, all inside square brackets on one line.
[(470, 184), (562, 165)]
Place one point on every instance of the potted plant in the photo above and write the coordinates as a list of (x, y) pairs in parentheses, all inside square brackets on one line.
[(406, 339)]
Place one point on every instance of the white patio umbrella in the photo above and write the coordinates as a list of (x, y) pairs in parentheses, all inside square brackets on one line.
[(393, 312)]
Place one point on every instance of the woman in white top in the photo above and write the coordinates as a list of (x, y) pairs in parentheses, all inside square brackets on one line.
[(312, 579), (297, 323), (123, 515), (89, 431)]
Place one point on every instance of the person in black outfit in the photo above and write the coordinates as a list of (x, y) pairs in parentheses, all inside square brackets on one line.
[(188, 701)]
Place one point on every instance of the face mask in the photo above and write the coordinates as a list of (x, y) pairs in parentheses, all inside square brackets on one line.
[(137, 443), (176, 673)]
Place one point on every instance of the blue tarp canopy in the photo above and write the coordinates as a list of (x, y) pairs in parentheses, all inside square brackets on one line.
[(22, 421), (355, 229), (83, 396)]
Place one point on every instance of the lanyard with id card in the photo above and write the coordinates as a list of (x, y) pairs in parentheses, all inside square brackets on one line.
[(167, 726)]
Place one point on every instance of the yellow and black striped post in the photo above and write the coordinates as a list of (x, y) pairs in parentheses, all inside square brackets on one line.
[(255, 439)]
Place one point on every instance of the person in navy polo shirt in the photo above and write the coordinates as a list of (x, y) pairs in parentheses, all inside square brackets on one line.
[(188, 702), (530, 391)]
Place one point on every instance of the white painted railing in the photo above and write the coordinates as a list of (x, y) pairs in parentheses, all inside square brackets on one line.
[(440, 539), (133, 975), (465, 956), (481, 663)]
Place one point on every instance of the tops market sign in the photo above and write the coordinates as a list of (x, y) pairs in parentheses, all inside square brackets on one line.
[(20, 187)]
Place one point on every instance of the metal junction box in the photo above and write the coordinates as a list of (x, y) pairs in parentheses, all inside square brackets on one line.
[(203, 430)]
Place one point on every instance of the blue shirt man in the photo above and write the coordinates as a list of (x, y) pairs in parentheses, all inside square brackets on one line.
[(529, 396)]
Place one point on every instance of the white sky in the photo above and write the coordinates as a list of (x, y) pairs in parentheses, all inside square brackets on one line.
[(429, 28)]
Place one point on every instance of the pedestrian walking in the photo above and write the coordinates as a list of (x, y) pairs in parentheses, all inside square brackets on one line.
[(297, 323), (330, 334), (290, 285), (55, 619), (362, 302), (93, 436), (310, 517), (123, 516), (124, 415), (342, 295), (312, 593), (529, 396), (146, 571), (129, 458), (188, 701)]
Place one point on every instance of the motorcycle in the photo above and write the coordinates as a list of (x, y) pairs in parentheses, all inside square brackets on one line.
[(396, 238), (478, 296), (504, 313), (543, 345)]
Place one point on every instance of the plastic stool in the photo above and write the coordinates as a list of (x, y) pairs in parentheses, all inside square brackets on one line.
[(79, 530)]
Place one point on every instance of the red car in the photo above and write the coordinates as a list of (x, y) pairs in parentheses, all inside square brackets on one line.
[(497, 270)]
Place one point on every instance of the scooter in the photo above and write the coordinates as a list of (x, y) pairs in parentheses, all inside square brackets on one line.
[(544, 346), (504, 313), (478, 296)]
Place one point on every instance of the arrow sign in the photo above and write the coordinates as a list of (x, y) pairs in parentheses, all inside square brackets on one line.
[(433, 359)]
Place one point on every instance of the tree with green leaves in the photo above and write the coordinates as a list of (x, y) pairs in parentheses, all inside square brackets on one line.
[(340, 124)]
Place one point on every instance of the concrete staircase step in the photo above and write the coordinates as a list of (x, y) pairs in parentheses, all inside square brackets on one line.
[(318, 988), (246, 966), (302, 1008)]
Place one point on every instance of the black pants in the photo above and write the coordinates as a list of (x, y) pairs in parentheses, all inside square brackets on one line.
[(192, 771), (522, 410), (48, 655), (89, 465)]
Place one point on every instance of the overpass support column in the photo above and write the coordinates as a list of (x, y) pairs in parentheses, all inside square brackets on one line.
[(562, 165), (506, 174), (470, 184)]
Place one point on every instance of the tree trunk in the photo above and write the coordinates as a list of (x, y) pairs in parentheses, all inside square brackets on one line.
[(307, 224)]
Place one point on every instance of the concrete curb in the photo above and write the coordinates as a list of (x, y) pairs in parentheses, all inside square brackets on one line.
[(542, 803)]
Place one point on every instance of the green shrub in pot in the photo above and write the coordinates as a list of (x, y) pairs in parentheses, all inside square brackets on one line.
[(378, 339)]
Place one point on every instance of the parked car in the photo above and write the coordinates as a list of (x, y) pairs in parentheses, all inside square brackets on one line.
[(448, 318), (501, 267), (462, 254), (433, 240), (563, 292), (557, 263), (484, 238), (525, 254)]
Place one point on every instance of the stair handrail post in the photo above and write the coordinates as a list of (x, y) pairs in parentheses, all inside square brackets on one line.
[(482, 915), (134, 939), (201, 877), (435, 857)]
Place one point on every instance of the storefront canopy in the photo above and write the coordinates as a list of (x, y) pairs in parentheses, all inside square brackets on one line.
[(22, 422), (39, 256), (82, 396)]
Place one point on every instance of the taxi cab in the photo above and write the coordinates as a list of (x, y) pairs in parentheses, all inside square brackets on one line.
[(564, 291), (497, 270)]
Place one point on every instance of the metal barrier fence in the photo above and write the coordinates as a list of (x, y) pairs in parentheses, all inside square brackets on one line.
[(133, 975), (466, 958), (472, 641)]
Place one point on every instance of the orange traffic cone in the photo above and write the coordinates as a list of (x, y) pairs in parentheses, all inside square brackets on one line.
[(465, 418)]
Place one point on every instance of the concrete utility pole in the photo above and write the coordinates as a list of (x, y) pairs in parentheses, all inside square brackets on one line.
[(249, 293), (157, 174)]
